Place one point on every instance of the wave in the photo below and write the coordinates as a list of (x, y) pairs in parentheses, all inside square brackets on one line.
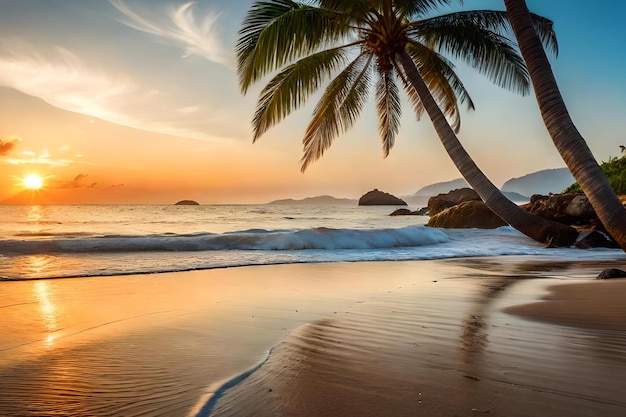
[(320, 238)]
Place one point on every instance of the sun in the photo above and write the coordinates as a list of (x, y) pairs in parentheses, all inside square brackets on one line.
[(32, 182)]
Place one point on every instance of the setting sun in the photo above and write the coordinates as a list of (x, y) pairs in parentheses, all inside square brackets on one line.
[(32, 182)]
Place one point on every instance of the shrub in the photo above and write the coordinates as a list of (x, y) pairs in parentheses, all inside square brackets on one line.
[(615, 171)]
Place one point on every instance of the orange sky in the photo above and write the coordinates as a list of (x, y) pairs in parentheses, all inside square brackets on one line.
[(137, 102)]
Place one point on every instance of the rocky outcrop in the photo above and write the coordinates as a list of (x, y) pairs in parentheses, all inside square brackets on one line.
[(406, 212), (441, 202), (571, 209), (463, 208), (187, 203), (469, 214), (380, 198)]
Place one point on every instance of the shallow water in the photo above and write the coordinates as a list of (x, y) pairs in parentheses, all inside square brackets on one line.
[(79, 241)]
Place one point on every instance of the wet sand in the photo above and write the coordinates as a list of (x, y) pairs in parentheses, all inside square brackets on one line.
[(431, 338)]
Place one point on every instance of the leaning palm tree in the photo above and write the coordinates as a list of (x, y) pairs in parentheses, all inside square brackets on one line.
[(567, 139), (382, 43)]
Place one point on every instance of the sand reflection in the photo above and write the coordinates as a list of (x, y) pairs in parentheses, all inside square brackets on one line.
[(47, 309)]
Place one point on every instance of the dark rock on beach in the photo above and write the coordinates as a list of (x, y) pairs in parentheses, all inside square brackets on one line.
[(569, 208), (596, 239), (611, 273), (406, 212), (380, 198), (441, 202), (573, 209), (469, 214), (187, 203)]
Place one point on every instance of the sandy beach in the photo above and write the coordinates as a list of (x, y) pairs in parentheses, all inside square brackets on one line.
[(498, 336)]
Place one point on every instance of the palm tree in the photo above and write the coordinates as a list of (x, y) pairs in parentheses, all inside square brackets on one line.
[(567, 139), (382, 42)]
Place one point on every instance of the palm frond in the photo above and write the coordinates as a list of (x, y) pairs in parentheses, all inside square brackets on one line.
[(290, 88), (354, 9), (412, 9), (467, 39), (388, 109), (277, 32), (339, 107), (498, 21), (443, 82), (545, 30)]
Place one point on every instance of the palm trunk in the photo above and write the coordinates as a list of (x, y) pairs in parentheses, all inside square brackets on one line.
[(568, 141), (535, 227)]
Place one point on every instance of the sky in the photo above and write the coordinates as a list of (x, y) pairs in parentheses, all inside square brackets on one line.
[(137, 102)]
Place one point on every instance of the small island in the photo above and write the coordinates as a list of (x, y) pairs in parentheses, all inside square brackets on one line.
[(380, 198), (187, 203)]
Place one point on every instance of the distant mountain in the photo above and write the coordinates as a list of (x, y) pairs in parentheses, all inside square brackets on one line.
[(541, 182), (52, 196), (516, 197), (319, 200), (441, 187), (516, 189), (30, 197)]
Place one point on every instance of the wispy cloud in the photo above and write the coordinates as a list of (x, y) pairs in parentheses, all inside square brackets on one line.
[(196, 36), (10, 155), (34, 158), (62, 79), (188, 109)]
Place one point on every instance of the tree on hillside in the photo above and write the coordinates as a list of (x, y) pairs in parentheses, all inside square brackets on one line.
[(360, 44), (567, 139)]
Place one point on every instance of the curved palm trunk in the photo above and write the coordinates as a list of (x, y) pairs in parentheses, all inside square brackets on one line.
[(568, 141), (535, 227)]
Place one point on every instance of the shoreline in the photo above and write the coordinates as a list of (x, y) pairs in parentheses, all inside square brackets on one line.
[(363, 338)]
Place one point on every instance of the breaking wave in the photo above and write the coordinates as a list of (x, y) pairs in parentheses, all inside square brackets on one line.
[(320, 238)]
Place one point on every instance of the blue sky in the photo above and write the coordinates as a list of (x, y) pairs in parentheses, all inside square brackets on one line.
[(167, 67)]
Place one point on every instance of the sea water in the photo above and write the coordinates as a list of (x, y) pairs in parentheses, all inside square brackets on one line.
[(100, 240)]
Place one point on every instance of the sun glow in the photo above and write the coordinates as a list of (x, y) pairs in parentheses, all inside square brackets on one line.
[(32, 182)]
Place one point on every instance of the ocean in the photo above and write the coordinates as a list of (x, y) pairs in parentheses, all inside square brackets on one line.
[(103, 240)]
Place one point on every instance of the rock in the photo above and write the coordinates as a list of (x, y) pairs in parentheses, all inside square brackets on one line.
[(401, 212), (441, 202), (406, 212), (470, 214), (611, 273), (569, 208), (187, 203), (380, 198), (596, 239)]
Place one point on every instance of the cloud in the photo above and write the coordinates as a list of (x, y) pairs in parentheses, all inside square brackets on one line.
[(188, 109), (77, 182), (27, 157), (195, 37), (7, 145), (62, 79)]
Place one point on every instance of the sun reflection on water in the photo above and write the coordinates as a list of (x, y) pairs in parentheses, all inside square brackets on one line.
[(35, 214), (47, 309)]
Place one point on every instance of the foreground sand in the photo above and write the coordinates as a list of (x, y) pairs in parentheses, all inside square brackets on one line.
[(429, 338)]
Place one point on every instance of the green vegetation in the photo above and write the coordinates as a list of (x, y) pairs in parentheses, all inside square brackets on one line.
[(615, 171)]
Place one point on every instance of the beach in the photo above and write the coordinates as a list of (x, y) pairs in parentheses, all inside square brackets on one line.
[(503, 336)]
